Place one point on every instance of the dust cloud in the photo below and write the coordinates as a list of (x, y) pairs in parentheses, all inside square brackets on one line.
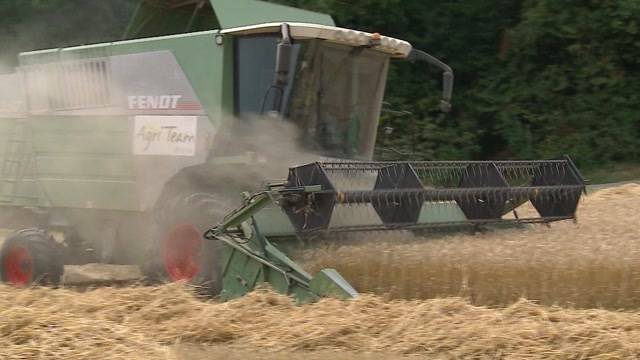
[(268, 146), (232, 155)]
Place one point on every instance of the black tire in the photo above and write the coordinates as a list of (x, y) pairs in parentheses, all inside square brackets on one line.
[(192, 213), (31, 257)]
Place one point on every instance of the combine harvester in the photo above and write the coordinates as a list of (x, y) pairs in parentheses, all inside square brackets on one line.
[(121, 150)]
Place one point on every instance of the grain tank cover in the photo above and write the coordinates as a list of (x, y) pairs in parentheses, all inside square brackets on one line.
[(395, 47), (236, 13), (169, 17)]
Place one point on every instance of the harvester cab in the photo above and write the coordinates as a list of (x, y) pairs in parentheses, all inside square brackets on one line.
[(296, 65), (328, 81)]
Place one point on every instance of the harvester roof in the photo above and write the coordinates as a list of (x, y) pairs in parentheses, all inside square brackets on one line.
[(166, 17), (396, 47)]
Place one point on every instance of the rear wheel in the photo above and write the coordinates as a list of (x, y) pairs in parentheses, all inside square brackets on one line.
[(30, 257), (178, 250)]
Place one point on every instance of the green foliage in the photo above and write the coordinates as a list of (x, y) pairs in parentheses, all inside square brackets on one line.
[(39, 24), (570, 83), (534, 79), (466, 35)]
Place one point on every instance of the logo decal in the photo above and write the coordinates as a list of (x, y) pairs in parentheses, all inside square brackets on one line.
[(165, 135), (161, 102)]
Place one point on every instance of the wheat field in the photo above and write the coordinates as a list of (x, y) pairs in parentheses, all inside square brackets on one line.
[(592, 263), (159, 322), (461, 300)]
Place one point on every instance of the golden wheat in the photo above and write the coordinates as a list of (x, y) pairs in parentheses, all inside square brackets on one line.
[(143, 323), (594, 263)]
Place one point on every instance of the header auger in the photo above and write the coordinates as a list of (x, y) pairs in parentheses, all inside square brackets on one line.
[(372, 196)]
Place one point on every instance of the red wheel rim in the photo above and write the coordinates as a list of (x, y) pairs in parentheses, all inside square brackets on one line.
[(182, 252), (18, 266)]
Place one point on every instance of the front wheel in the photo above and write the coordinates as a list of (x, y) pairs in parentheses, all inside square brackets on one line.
[(178, 250)]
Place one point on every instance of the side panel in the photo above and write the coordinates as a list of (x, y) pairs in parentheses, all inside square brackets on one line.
[(85, 162), (164, 101), (12, 101), (14, 146), (200, 59)]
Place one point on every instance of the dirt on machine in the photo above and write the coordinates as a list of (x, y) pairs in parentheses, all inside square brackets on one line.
[(168, 150)]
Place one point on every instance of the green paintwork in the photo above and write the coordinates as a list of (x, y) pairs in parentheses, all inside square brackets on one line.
[(243, 272), (87, 161), (251, 259), (273, 222), (329, 282), (82, 161), (151, 18), (236, 13), (83, 164), (202, 61), (17, 179), (245, 213), (440, 212), (162, 17)]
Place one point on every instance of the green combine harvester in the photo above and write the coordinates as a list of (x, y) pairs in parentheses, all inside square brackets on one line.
[(132, 152)]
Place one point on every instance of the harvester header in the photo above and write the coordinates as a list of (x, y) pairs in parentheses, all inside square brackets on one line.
[(483, 191), (323, 198)]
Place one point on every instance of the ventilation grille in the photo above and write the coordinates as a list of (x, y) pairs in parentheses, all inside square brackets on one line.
[(69, 85)]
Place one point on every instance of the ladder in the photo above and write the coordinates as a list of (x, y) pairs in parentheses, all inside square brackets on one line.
[(16, 160)]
